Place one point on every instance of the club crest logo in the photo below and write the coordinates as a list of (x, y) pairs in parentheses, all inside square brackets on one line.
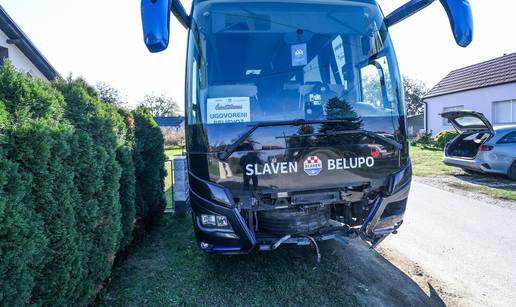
[(312, 166)]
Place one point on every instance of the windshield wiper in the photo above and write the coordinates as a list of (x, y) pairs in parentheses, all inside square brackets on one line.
[(371, 134), (374, 135), (231, 148), (298, 122)]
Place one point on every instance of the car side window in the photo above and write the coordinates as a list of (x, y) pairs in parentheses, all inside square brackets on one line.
[(510, 138)]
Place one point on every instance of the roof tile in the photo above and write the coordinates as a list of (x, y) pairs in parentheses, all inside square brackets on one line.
[(493, 72), (169, 121)]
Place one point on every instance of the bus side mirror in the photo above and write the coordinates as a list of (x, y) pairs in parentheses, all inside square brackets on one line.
[(156, 24), (461, 20), (459, 14)]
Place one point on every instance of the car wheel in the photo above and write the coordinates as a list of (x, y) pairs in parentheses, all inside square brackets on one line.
[(512, 171)]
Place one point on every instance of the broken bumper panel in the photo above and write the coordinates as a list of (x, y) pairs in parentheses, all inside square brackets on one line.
[(384, 218), (386, 215)]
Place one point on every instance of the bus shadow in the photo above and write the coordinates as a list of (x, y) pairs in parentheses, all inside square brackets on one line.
[(347, 275), (167, 268)]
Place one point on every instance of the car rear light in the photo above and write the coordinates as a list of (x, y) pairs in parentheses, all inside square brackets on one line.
[(485, 148)]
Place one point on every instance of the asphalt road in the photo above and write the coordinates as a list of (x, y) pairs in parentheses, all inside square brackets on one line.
[(467, 245)]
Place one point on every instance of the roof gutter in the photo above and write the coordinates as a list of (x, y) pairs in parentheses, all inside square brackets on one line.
[(426, 115), (18, 38)]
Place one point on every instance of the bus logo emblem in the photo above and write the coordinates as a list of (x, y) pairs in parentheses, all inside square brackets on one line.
[(312, 166)]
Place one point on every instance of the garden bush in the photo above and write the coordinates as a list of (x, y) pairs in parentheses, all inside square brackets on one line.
[(21, 229), (128, 179), (149, 158), (67, 188), (99, 124), (38, 147), (423, 139), (444, 137)]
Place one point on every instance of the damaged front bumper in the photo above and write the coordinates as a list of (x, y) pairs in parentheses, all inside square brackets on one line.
[(384, 217)]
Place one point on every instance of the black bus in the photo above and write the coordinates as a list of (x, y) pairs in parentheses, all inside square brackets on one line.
[(295, 118)]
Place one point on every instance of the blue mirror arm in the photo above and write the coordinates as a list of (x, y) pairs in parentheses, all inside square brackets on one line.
[(458, 11), (406, 10), (179, 11)]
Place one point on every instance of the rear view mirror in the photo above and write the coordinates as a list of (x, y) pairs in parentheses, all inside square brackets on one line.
[(156, 24), (461, 20), (459, 14)]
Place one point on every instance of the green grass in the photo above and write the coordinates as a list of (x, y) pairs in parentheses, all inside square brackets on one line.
[(169, 194), (428, 162), (505, 194), (171, 151), (169, 269)]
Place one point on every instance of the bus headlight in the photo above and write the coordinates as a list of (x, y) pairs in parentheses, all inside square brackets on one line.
[(211, 221), (208, 220), (222, 221)]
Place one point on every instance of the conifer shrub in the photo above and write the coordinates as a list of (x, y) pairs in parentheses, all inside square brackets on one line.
[(149, 159), (21, 229), (98, 139), (128, 179), (38, 140), (68, 188)]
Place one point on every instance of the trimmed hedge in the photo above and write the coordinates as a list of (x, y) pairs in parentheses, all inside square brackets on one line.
[(68, 188), (128, 179), (149, 159)]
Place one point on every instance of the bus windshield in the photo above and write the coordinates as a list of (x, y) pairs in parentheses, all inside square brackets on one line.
[(261, 61)]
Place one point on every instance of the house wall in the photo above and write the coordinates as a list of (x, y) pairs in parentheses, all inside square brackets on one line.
[(415, 124), (480, 100), (18, 59)]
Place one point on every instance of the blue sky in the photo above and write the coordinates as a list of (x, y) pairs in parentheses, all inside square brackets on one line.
[(102, 41)]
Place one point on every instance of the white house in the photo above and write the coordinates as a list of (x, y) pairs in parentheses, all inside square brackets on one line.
[(17, 47), (488, 87)]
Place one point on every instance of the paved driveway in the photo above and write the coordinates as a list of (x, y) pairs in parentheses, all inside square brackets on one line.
[(467, 244)]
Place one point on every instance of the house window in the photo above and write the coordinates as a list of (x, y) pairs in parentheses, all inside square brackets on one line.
[(446, 122), (4, 54), (504, 112)]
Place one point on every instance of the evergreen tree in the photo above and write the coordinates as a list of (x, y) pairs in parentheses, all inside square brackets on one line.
[(38, 139), (67, 187), (149, 160), (21, 230), (97, 168)]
